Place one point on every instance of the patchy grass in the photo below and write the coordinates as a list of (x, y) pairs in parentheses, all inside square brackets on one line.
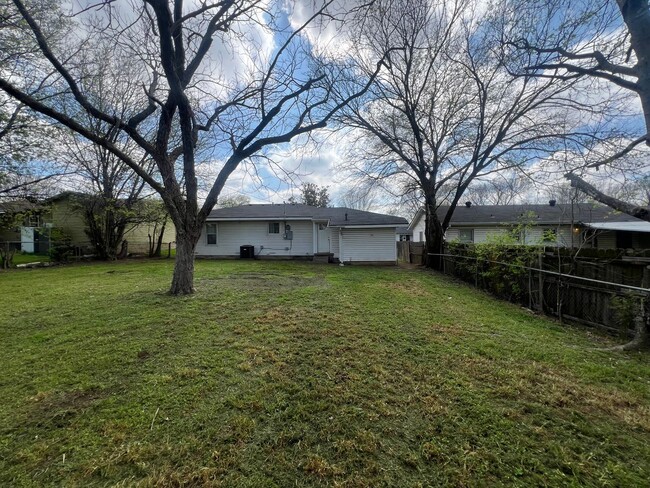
[(293, 374), (26, 258)]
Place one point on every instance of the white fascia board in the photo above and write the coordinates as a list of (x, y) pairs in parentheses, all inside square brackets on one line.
[(503, 224), (416, 218), (258, 219), (391, 226)]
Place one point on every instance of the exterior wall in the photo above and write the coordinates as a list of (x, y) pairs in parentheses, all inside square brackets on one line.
[(606, 240), (368, 245), (231, 235), (12, 235), (64, 216), (138, 236), (533, 236), (418, 228), (334, 242)]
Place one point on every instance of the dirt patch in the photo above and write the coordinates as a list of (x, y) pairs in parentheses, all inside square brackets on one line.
[(262, 282), (58, 409), (412, 288)]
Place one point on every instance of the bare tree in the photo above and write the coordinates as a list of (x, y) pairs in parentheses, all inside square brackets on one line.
[(607, 41), (504, 188), (360, 197), (447, 109), (112, 193), (312, 194), (26, 166), (233, 200), (193, 104)]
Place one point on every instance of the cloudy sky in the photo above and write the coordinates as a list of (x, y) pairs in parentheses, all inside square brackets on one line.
[(322, 157)]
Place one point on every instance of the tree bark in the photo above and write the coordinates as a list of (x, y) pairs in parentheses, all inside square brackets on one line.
[(642, 213), (434, 236), (183, 280), (641, 339), (161, 234)]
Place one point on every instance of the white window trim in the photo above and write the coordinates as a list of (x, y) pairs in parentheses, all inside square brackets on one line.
[(268, 229), (216, 234)]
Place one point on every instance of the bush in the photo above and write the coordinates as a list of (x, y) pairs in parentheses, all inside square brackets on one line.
[(61, 248)]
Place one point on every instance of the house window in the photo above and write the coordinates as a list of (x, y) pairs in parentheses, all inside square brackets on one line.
[(274, 227), (466, 235), (32, 220), (211, 233)]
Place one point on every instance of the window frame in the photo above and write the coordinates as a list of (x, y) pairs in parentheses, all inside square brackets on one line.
[(208, 234), (460, 236), (270, 228)]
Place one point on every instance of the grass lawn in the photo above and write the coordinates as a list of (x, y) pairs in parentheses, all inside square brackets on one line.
[(294, 374), (20, 258)]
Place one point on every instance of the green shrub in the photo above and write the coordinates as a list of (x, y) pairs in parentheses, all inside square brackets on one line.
[(61, 248)]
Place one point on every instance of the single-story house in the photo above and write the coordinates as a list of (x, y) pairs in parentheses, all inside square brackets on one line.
[(293, 231), (554, 224), (63, 213)]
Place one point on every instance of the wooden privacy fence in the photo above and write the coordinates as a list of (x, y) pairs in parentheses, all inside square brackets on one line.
[(548, 287), (410, 252)]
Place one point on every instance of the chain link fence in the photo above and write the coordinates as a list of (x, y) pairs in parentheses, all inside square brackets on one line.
[(554, 286), (46, 250)]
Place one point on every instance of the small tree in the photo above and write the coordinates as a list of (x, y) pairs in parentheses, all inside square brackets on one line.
[(233, 200), (312, 194)]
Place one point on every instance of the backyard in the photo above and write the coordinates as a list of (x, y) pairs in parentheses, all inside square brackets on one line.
[(294, 374)]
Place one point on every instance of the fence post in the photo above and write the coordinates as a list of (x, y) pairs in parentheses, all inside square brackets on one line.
[(645, 282), (540, 281)]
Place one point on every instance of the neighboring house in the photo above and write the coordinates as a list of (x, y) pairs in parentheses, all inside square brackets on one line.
[(403, 234), (564, 225), (301, 231), (62, 213), (22, 226)]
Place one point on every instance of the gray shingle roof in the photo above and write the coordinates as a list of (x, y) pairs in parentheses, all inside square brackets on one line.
[(542, 214), (335, 215)]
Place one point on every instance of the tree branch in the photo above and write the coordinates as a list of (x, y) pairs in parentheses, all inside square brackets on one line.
[(642, 213)]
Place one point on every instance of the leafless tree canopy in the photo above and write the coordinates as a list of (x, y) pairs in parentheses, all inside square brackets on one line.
[(595, 42), (217, 81), (449, 108)]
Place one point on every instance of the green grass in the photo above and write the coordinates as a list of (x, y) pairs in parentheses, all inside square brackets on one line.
[(25, 258), (289, 374)]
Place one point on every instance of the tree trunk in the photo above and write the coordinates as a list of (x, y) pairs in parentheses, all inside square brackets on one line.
[(642, 331), (183, 280), (434, 236), (161, 234)]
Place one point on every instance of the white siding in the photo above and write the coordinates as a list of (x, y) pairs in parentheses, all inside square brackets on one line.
[(334, 242), (418, 228), (231, 235), (534, 235), (368, 245), (452, 234)]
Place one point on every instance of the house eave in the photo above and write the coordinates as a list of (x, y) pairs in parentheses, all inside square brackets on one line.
[(256, 219), (363, 226)]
